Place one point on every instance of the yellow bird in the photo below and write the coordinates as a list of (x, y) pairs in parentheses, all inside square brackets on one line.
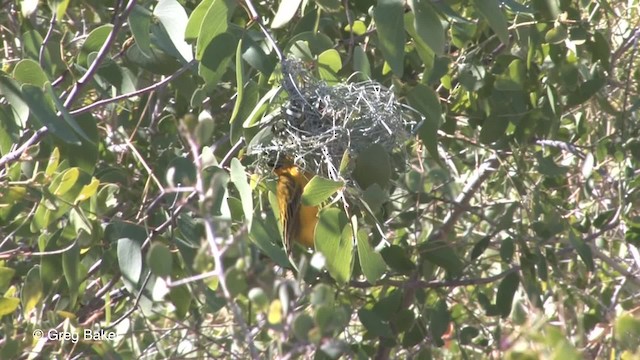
[(298, 221)]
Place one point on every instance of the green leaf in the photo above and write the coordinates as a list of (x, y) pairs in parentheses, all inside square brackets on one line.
[(426, 101), (10, 89), (93, 43), (428, 26), (583, 249), (66, 116), (329, 63), (389, 18), (6, 274), (213, 24), (59, 7), (371, 262), (506, 250), (70, 268), (236, 281), (130, 262), (160, 259), (174, 19), (239, 179), (506, 290), (66, 181), (8, 306), (239, 82), (439, 322), (373, 166), (140, 25), (397, 259), (196, 18), (374, 324), (216, 58), (28, 71), (361, 63), (443, 255), (31, 293), (263, 233), (627, 332), (301, 326), (319, 189), (513, 79), (490, 10), (286, 11), (334, 239), (480, 247)]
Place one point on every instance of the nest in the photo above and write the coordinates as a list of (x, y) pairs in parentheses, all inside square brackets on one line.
[(319, 123)]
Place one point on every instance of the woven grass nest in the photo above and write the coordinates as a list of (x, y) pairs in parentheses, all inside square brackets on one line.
[(318, 124)]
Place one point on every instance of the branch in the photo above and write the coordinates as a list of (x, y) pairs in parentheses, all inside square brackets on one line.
[(147, 89), (462, 201), (419, 284)]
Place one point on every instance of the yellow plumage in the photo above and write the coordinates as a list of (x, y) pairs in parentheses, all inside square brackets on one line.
[(298, 221)]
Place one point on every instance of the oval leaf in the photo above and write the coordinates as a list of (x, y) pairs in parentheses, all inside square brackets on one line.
[(389, 18), (334, 239), (319, 189)]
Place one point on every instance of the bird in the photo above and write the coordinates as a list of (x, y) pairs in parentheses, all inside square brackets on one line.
[(298, 221)]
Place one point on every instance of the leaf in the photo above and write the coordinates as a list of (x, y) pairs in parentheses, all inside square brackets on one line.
[(443, 255), (215, 59), (389, 18), (426, 101), (334, 239), (286, 11), (239, 179), (213, 24), (627, 332), (59, 7), (8, 305), (10, 89), (439, 322), (174, 19), (428, 26), (39, 107), (88, 190), (319, 189), (196, 18), (93, 43), (506, 290), (130, 261), (67, 180), (371, 262), (160, 259), (329, 63), (140, 25), (373, 166), (514, 77), (70, 268), (490, 10), (397, 259), (263, 233), (66, 116), (361, 63), (374, 323), (28, 71), (6, 274), (583, 249), (31, 293), (301, 326), (480, 247), (239, 82)]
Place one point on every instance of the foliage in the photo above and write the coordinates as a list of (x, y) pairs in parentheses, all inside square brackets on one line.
[(506, 226)]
